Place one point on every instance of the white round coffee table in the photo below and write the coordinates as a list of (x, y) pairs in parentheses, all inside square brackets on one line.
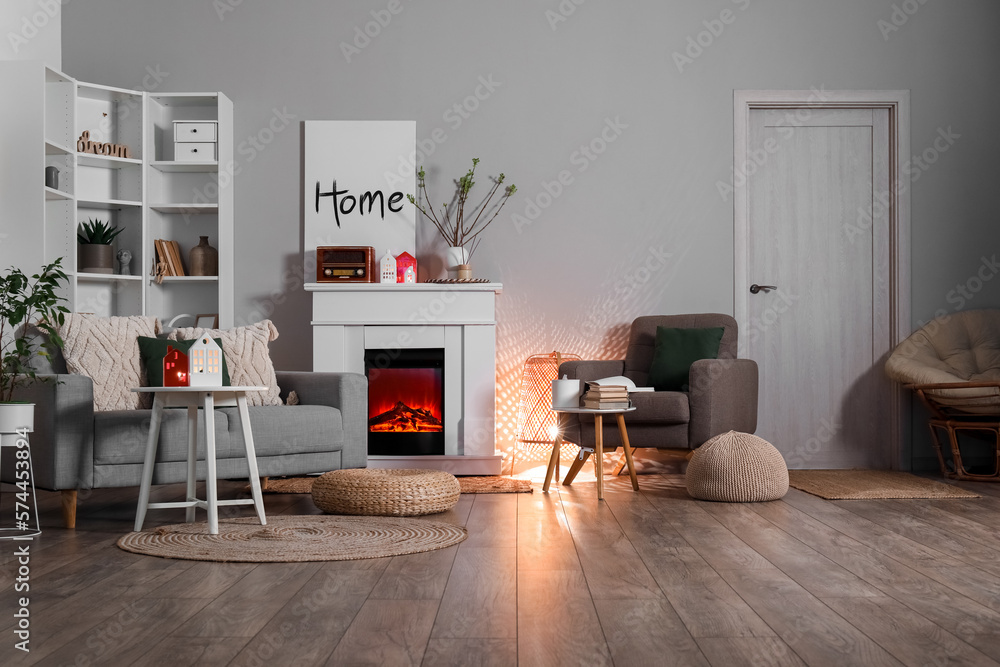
[(193, 398), (598, 450)]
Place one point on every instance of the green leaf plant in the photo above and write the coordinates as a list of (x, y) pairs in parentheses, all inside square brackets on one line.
[(453, 222), (97, 232), (27, 303)]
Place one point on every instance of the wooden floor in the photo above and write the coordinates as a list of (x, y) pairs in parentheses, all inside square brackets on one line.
[(648, 578)]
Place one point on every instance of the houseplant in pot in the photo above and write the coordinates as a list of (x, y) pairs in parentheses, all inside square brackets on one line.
[(96, 253), (25, 302), (461, 223)]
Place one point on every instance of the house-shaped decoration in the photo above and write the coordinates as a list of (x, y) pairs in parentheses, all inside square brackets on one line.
[(175, 368), (205, 363), (387, 268), (410, 276), (405, 261)]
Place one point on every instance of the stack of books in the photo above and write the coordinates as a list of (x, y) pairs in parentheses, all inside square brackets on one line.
[(605, 397), (169, 254)]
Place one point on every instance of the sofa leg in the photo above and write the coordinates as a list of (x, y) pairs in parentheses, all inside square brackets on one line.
[(263, 483), (69, 507)]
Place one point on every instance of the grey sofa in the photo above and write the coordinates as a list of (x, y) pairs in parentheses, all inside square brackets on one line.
[(722, 396), (74, 448)]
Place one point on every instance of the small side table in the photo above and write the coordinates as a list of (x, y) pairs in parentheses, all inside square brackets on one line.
[(598, 449), (193, 398)]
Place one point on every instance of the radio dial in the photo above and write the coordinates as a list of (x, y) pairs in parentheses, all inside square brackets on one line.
[(327, 272), (361, 272)]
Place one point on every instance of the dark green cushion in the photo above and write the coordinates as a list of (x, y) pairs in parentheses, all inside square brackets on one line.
[(152, 351), (676, 350)]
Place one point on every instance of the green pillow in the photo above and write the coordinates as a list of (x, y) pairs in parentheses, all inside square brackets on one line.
[(152, 351), (676, 350)]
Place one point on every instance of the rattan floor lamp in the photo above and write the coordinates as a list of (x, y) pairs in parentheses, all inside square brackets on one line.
[(536, 423)]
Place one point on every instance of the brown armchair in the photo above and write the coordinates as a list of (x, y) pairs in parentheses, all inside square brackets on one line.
[(722, 396)]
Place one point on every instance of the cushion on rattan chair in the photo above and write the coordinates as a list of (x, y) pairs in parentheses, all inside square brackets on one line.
[(960, 347)]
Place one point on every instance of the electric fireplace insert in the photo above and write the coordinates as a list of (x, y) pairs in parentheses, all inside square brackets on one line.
[(405, 401)]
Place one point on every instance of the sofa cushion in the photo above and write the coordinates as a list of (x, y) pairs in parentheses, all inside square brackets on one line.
[(676, 349), (659, 407), (105, 350), (292, 429), (120, 435), (247, 355)]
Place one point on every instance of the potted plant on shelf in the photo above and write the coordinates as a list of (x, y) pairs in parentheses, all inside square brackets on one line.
[(454, 224), (24, 302), (96, 253)]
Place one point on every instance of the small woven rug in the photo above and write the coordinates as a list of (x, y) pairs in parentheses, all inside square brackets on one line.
[(468, 484), (871, 485), (293, 539)]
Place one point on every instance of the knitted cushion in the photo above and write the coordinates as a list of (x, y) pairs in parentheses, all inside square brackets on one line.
[(737, 468), (247, 357), (105, 350)]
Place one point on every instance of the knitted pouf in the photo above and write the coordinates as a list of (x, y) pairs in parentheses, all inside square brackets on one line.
[(385, 492), (737, 468)]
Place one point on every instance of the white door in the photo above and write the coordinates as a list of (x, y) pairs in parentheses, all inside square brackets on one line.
[(817, 232)]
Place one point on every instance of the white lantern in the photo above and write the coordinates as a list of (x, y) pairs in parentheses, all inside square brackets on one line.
[(387, 268)]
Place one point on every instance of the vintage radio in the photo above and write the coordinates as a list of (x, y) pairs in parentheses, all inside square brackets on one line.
[(349, 264)]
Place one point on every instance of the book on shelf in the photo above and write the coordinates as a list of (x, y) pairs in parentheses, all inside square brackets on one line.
[(175, 253), (163, 256), (169, 253)]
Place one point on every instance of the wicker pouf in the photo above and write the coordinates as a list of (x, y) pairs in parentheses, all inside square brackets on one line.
[(737, 468), (385, 492)]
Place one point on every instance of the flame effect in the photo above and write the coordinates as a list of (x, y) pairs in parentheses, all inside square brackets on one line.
[(405, 400)]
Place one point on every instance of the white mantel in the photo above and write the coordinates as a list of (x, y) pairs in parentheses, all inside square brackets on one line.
[(349, 318)]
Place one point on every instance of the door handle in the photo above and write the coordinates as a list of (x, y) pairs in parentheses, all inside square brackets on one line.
[(756, 288)]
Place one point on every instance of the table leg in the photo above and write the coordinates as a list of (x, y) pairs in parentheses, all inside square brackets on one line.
[(599, 454), (258, 499), (574, 468), (192, 469), (211, 491), (149, 461), (553, 462), (628, 451)]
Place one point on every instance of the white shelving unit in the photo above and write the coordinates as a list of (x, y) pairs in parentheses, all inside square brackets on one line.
[(188, 200), (149, 194)]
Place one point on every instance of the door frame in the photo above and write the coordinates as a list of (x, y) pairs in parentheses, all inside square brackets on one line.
[(896, 275)]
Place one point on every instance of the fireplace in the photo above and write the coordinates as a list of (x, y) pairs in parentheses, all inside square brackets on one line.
[(405, 401), (349, 319)]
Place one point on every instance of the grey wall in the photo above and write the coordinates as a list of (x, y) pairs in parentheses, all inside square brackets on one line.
[(591, 260)]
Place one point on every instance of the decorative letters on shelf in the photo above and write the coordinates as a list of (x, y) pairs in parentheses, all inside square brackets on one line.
[(85, 145)]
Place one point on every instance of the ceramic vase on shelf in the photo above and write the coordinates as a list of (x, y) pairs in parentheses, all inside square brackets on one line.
[(204, 259), (456, 258)]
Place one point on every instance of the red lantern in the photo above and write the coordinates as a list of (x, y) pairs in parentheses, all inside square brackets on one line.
[(404, 261), (175, 368)]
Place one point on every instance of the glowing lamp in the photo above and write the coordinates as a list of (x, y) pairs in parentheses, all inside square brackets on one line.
[(537, 424), (175, 368), (405, 261)]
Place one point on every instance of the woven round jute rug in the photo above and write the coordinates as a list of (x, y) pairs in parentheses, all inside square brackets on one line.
[(494, 484), (291, 539)]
